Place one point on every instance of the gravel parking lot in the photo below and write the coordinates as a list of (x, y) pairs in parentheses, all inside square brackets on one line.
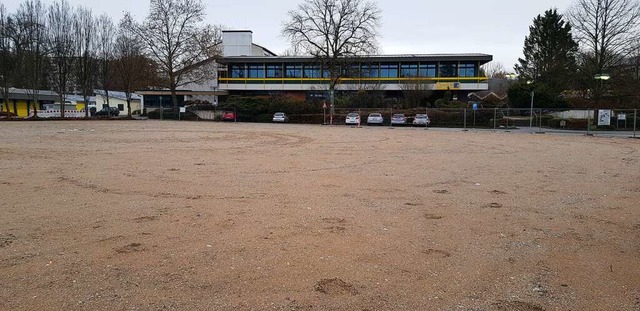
[(150, 215)]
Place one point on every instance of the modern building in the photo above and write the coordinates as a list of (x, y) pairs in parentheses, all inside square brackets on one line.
[(249, 69)]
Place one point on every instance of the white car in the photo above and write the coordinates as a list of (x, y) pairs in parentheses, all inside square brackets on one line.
[(398, 119), (280, 117), (353, 118), (375, 118), (421, 119)]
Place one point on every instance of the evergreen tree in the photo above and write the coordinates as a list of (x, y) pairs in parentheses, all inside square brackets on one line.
[(549, 52)]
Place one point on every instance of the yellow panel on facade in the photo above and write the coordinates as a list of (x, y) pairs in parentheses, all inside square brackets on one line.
[(22, 108), (80, 106), (443, 86)]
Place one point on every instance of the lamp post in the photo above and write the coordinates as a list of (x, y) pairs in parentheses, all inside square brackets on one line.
[(602, 77), (533, 94)]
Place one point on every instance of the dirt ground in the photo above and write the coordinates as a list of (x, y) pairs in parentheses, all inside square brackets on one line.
[(149, 215)]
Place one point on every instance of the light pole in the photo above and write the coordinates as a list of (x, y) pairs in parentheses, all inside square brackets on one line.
[(602, 77), (533, 94)]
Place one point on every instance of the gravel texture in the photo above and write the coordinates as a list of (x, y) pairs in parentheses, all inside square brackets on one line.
[(149, 215)]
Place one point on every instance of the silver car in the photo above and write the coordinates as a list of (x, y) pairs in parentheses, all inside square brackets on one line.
[(280, 117), (375, 118), (398, 119), (421, 119)]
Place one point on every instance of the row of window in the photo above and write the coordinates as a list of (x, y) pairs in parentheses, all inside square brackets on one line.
[(364, 70)]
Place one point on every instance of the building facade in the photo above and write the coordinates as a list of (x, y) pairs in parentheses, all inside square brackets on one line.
[(247, 70)]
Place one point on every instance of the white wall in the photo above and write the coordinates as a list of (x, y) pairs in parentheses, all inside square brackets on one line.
[(237, 43), (114, 102)]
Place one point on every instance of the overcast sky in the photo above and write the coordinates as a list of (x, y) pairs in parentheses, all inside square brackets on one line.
[(496, 27)]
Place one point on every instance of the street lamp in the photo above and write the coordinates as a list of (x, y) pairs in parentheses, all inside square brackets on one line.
[(533, 94)]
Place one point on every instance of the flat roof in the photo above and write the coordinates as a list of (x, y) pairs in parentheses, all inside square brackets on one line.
[(370, 58)]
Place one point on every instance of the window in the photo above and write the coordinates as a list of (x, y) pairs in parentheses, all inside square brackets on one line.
[(293, 71), (408, 70), (255, 70), (467, 70), (388, 70), (312, 71), (428, 70), (238, 71), (448, 69), (369, 71), (352, 71), (274, 71), (121, 107)]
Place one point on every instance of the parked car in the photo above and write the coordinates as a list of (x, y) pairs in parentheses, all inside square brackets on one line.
[(375, 118), (108, 111), (352, 118), (398, 119), (421, 119), (280, 117), (228, 115)]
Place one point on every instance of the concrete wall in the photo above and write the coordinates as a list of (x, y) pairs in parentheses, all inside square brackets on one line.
[(237, 43)]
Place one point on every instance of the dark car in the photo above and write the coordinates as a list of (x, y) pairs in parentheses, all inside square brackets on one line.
[(108, 111), (228, 115)]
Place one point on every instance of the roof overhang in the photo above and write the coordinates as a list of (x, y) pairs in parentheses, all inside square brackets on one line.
[(474, 57), (181, 93)]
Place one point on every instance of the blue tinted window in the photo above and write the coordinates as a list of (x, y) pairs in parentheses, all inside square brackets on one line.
[(312, 71), (467, 70), (369, 71), (274, 71), (409, 70), (388, 70), (238, 71), (428, 70), (255, 70), (293, 71)]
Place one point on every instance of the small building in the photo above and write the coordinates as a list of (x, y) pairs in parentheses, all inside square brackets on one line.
[(20, 101), (118, 100)]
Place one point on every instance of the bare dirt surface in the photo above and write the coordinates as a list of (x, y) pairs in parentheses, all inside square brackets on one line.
[(148, 215)]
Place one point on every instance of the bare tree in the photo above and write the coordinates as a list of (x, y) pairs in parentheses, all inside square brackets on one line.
[(333, 31), (7, 55), (105, 38), (415, 91), (605, 30), (131, 69), (60, 41), (31, 15), (495, 70), (85, 51), (177, 41)]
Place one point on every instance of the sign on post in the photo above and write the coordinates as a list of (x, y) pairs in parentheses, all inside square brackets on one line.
[(604, 117), (475, 106)]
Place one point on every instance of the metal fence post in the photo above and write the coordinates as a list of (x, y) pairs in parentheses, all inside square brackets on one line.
[(588, 120), (495, 116), (540, 120), (635, 120), (465, 119)]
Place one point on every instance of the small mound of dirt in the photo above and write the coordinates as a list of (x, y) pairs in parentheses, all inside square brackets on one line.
[(335, 286), (437, 252), (432, 216), (441, 191), (334, 220), (516, 306), (493, 205), (497, 192), (129, 248)]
